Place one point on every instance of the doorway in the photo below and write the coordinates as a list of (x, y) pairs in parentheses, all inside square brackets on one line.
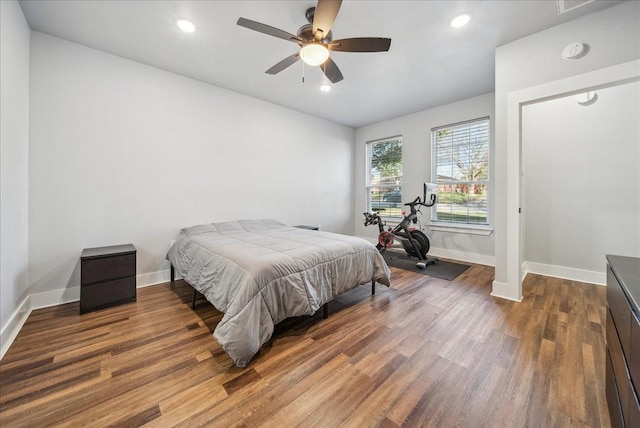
[(580, 186), (593, 81)]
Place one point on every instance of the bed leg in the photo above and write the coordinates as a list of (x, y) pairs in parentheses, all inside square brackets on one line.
[(373, 287), (193, 303), (173, 274), (325, 311)]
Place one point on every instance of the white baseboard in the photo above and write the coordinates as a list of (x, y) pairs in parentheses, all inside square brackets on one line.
[(47, 299), (59, 297), (12, 328), (504, 291), (463, 256), (573, 274), (153, 278)]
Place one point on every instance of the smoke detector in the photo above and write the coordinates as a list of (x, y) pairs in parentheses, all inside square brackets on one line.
[(574, 51)]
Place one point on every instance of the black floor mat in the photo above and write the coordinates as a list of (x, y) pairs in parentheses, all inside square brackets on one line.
[(440, 269)]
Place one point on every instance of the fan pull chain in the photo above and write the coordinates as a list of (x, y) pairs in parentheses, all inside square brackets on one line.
[(302, 71)]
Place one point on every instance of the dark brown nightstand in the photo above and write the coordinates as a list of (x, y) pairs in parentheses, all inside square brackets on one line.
[(107, 277)]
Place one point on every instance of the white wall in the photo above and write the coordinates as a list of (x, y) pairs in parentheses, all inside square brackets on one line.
[(612, 36), (581, 181), (123, 152), (416, 158), (14, 159)]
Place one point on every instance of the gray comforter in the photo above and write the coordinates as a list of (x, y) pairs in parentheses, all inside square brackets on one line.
[(259, 272)]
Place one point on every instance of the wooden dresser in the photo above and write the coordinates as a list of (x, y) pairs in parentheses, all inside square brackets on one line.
[(623, 341), (107, 277)]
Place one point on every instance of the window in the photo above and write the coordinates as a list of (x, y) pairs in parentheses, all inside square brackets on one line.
[(460, 168), (384, 176)]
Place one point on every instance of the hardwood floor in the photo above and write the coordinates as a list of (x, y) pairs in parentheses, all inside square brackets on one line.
[(427, 352)]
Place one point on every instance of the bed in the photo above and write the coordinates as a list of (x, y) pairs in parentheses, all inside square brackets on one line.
[(259, 272)]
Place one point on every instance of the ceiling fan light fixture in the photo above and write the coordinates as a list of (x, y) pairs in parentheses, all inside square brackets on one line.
[(460, 20), (314, 53), (325, 88), (186, 25)]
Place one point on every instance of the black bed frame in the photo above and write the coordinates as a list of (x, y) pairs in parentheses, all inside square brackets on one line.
[(325, 307)]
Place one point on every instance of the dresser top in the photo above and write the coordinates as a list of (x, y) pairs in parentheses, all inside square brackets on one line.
[(90, 253), (627, 271)]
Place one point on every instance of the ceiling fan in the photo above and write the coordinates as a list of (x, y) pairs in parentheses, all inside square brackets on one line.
[(316, 40)]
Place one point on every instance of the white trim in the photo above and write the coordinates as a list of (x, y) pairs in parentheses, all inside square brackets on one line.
[(61, 296), (153, 278), (573, 274), (561, 5), (607, 77), (461, 228), (504, 291), (463, 256), (14, 325)]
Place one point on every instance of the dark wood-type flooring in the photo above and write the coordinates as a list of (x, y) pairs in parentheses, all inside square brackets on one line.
[(427, 352)]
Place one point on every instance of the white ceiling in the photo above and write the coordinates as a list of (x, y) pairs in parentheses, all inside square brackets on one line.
[(429, 63)]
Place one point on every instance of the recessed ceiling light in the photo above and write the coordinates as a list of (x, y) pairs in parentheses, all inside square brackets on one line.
[(325, 88), (186, 25), (461, 20)]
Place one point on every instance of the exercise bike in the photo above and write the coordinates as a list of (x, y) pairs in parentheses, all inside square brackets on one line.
[(415, 243)]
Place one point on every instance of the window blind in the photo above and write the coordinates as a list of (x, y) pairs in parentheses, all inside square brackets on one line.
[(460, 167), (384, 176)]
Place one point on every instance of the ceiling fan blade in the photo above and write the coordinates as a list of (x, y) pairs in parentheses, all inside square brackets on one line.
[(267, 29), (332, 71), (361, 44), (284, 64), (324, 16)]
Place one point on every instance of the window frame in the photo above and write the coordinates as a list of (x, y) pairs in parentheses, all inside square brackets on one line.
[(369, 185), (483, 228)]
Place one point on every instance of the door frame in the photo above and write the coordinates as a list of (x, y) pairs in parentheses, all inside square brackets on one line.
[(604, 78)]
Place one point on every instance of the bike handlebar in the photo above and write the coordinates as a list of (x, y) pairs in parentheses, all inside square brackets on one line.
[(416, 201)]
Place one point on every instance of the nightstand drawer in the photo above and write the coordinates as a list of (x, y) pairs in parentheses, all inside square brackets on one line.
[(107, 268), (620, 310), (619, 365), (105, 294), (613, 398)]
